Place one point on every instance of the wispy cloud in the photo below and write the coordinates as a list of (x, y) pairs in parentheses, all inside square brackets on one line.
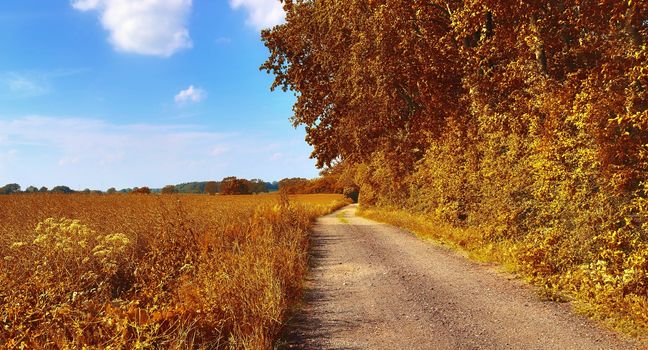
[(147, 27), (32, 83), (83, 151), (80, 153), (261, 13), (24, 86), (74, 139), (190, 94)]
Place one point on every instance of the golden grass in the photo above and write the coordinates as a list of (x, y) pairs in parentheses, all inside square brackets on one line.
[(135, 271), (468, 241)]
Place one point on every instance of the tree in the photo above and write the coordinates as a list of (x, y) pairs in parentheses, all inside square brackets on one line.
[(191, 187), (43, 189), (294, 185), (62, 189), (272, 186), (111, 190), (31, 189), (368, 84), (525, 120), (10, 188), (141, 190), (233, 186), (257, 186), (169, 189), (211, 187)]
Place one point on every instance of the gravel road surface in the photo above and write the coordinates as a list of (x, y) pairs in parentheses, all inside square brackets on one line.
[(374, 286)]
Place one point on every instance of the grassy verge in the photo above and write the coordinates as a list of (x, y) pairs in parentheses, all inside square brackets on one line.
[(627, 314)]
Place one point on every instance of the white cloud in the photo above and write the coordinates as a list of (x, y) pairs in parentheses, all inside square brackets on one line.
[(85, 5), (261, 13), (190, 94), (147, 27)]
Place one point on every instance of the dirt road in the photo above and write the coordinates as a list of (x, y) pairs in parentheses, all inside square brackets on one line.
[(373, 286)]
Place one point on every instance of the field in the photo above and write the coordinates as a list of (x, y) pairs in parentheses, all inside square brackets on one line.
[(138, 271)]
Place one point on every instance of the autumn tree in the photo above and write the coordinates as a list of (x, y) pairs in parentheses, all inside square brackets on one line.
[(141, 190), (525, 120), (232, 186), (211, 187), (293, 185), (169, 189), (367, 83)]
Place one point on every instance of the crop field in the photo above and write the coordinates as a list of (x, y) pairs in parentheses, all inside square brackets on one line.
[(144, 271)]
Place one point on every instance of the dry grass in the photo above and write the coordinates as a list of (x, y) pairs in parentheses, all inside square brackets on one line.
[(469, 241), (91, 271)]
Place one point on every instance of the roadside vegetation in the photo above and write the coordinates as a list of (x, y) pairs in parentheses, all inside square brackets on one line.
[(520, 128), (113, 271)]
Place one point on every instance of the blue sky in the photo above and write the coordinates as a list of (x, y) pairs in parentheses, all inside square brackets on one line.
[(102, 93)]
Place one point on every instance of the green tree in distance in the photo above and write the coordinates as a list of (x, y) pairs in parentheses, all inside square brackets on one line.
[(10, 188), (62, 189)]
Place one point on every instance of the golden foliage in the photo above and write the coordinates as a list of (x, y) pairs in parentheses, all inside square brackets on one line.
[(92, 271), (525, 121)]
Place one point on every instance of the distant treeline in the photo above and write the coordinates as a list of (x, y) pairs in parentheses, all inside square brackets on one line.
[(15, 188), (228, 186), (332, 180)]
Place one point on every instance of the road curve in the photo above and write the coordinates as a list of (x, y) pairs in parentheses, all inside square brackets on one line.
[(374, 286)]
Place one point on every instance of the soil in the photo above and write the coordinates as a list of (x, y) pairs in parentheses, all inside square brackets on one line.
[(374, 286)]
